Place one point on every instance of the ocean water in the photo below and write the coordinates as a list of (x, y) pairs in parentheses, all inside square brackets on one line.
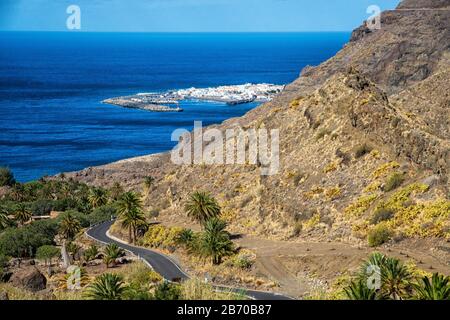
[(51, 86)]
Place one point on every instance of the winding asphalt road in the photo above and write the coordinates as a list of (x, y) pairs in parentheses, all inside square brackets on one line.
[(165, 266)]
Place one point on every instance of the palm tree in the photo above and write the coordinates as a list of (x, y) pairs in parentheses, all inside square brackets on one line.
[(358, 290), (436, 289), (215, 241), (108, 286), (76, 279), (375, 259), (395, 279), (17, 192), (66, 191), (116, 191), (73, 249), (201, 206), (185, 237), (394, 276), (129, 209), (148, 183), (97, 197), (91, 253), (68, 229), (22, 214), (132, 220), (5, 221), (111, 253)]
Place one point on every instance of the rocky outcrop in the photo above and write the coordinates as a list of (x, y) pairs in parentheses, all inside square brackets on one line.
[(31, 279), (421, 4)]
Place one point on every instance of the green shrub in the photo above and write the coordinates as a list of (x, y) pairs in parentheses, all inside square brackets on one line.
[(394, 181), (154, 213), (362, 150), (101, 214), (244, 260), (322, 133), (167, 291), (3, 268), (137, 293), (41, 207), (65, 204), (140, 275), (185, 237), (298, 228), (378, 235), (381, 214), (47, 253), (23, 242), (6, 177)]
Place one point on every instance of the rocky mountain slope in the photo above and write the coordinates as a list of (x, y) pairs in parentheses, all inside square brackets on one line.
[(364, 131)]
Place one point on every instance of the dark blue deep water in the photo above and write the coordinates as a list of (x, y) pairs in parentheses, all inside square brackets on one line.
[(51, 85)]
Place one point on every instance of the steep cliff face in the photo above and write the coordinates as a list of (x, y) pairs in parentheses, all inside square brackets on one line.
[(365, 130)]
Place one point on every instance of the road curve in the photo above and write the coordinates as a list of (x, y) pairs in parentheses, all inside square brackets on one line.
[(165, 266)]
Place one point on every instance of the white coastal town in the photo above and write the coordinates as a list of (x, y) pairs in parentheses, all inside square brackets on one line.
[(231, 95)]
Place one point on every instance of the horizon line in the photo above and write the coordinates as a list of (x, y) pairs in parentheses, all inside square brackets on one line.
[(177, 32)]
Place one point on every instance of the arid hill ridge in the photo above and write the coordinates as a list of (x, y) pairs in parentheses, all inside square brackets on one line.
[(379, 108)]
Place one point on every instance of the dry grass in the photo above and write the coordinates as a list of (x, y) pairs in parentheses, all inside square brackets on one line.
[(15, 293), (195, 289)]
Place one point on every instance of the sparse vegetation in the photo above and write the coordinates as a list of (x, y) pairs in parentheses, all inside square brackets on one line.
[(159, 236), (381, 214), (378, 235), (312, 222), (322, 133), (360, 205), (243, 260), (332, 166), (385, 169), (167, 291), (362, 150), (394, 181), (148, 185), (294, 104), (333, 193)]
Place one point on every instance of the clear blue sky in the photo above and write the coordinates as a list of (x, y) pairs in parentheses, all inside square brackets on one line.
[(190, 15)]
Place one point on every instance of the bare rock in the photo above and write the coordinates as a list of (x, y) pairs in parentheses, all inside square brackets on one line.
[(31, 279)]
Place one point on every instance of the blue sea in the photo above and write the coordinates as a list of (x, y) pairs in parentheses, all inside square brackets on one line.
[(52, 84)]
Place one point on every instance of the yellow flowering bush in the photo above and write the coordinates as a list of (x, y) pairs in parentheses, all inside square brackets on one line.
[(159, 236), (360, 205)]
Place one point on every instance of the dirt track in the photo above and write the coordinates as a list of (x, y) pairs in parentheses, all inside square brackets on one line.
[(299, 266), (292, 264)]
